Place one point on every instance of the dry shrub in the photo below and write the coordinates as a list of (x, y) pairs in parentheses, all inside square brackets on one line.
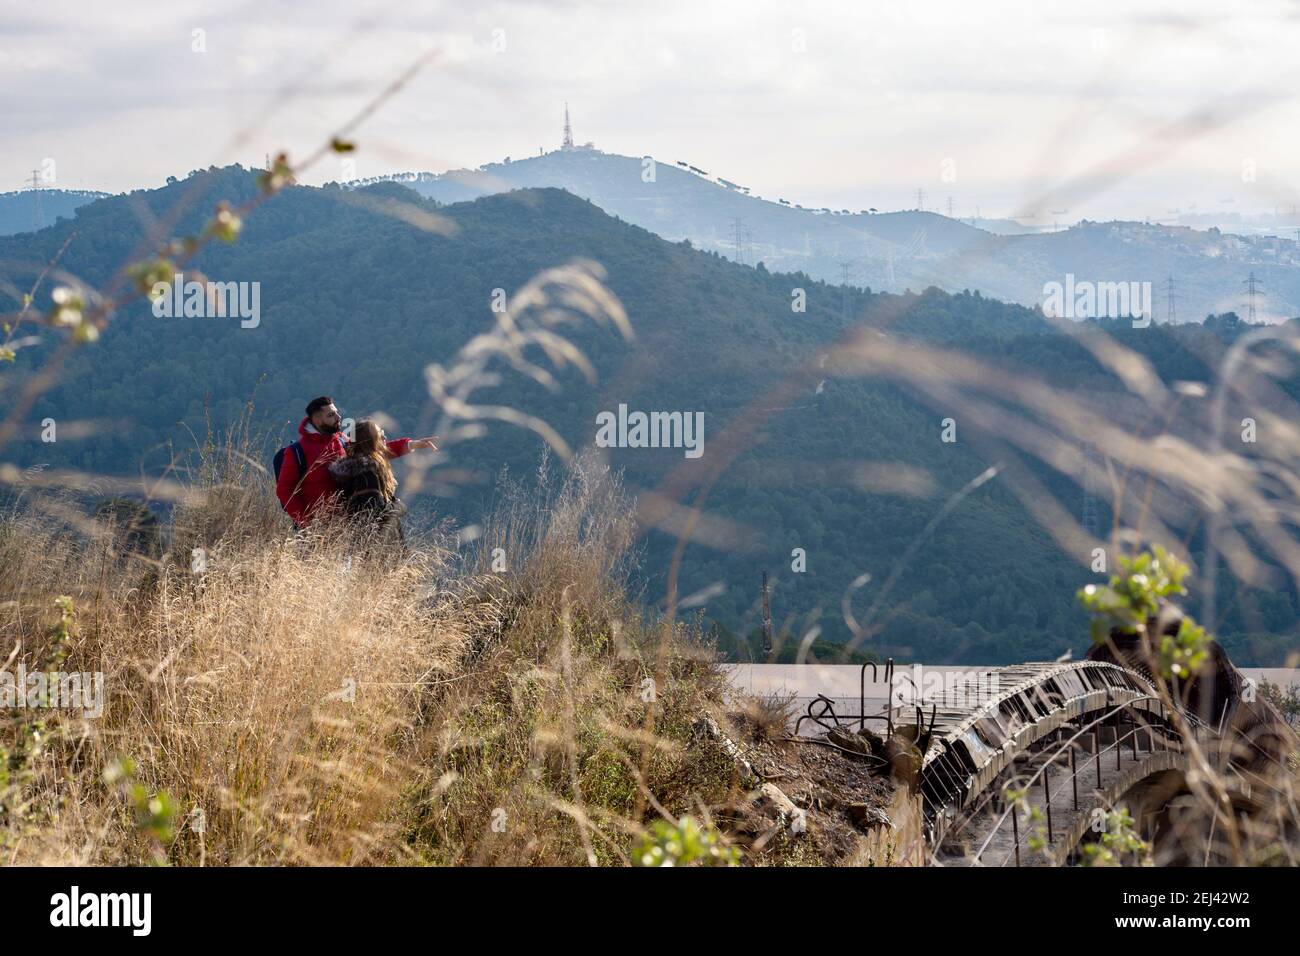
[(563, 740), (300, 703), (768, 717), (270, 693)]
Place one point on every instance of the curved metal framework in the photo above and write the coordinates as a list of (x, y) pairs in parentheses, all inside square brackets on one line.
[(969, 749)]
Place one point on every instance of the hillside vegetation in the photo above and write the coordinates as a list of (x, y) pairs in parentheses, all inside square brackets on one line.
[(801, 451), (897, 251), (26, 211), (289, 701)]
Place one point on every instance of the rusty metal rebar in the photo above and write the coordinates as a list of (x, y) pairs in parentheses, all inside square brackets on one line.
[(1015, 832), (1096, 750), (1074, 778), (1047, 798), (1117, 765)]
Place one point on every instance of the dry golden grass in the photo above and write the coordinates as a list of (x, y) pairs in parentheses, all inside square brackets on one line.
[(300, 704)]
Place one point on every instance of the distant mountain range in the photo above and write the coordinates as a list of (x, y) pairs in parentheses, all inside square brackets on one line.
[(31, 209), (357, 301), (908, 250), (884, 251)]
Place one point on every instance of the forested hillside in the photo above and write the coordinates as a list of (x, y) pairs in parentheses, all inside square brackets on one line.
[(909, 249), (356, 302), (30, 209)]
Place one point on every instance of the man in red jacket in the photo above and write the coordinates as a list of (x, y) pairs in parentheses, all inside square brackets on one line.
[(307, 496)]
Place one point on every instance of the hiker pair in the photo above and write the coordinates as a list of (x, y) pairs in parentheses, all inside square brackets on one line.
[(322, 475)]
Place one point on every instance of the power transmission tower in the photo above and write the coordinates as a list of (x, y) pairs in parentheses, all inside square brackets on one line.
[(920, 200), (844, 289), (1089, 517), (740, 239), (1169, 300), (1252, 289), (37, 186), (767, 620)]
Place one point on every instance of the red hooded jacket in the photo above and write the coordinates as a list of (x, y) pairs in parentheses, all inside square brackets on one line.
[(305, 497)]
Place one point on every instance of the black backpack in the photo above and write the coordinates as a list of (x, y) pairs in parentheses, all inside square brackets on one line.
[(298, 453)]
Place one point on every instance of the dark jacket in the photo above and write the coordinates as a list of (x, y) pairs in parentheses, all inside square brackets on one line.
[(361, 492)]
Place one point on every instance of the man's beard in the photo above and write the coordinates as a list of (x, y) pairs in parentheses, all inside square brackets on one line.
[(326, 428)]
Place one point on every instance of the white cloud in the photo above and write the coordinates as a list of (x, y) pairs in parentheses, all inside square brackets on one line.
[(858, 108)]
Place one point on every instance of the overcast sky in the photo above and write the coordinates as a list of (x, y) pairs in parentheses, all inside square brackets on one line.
[(1109, 108)]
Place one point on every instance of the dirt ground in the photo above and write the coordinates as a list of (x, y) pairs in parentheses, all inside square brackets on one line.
[(841, 787)]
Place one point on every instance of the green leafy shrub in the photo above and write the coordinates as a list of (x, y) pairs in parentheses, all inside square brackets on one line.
[(686, 844)]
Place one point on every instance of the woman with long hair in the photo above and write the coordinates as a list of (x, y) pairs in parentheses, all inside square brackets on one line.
[(367, 488)]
